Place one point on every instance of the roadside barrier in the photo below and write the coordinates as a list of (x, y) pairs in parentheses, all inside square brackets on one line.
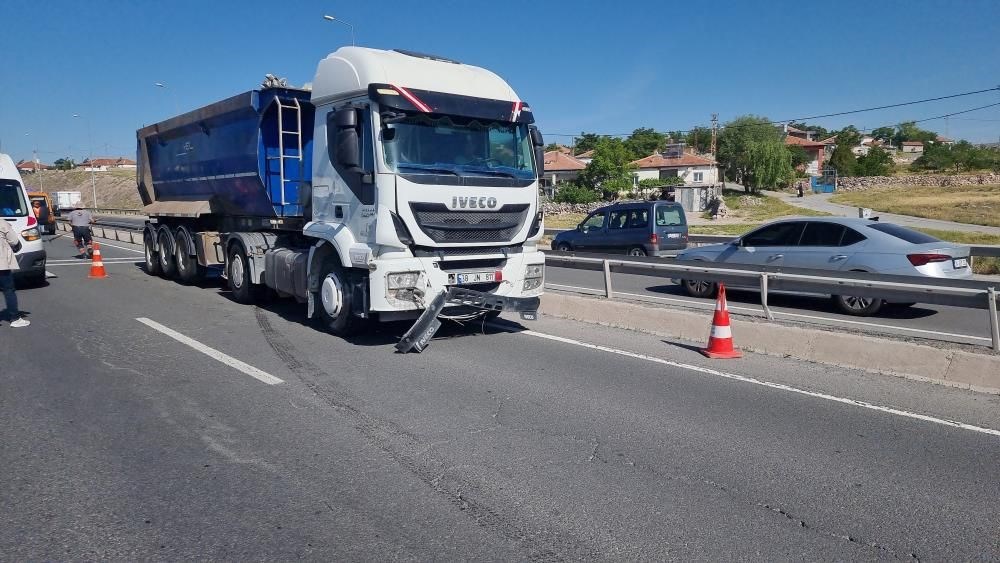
[(720, 339)]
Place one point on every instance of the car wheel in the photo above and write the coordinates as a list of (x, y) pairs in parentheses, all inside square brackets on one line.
[(563, 247), (636, 251), (858, 306), (700, 288), (335, 309), (152, 262)]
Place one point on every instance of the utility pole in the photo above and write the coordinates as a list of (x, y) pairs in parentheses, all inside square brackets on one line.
[(715, 131)]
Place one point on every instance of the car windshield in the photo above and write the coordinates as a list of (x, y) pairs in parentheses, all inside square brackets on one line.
[(426, 144), (909, 235), (12, 202)]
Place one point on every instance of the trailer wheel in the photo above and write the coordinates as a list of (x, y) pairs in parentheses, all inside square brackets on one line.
[(188, 269), (335, 309), (152, 262), (166, 258), (238, 272)]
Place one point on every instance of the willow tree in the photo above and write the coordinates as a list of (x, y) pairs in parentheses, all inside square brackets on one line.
[(752, 152), (769, 164)]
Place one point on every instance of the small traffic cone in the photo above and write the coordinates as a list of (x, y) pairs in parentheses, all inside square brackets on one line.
[(720, 341), (97, 266)]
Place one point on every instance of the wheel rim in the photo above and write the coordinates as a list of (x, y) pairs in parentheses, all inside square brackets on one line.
[(332, 295), (699, 286), (564, 247), (635, 252), (236, 271), (857, 303), (181, 260), (164, 255), (149, 253)]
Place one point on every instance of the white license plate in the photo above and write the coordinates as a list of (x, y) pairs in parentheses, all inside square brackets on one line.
[(472, 277), (673, 235), (961, 263)]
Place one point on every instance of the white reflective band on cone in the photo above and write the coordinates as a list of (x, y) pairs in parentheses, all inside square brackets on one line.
[(721, 331)]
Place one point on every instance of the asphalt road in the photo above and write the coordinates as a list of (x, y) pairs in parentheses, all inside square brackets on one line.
[(118, 441), (933, 322)]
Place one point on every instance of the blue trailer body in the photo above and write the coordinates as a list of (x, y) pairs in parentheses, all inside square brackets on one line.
[(228, 154)]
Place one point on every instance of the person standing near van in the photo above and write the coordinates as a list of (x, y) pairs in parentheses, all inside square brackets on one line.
[(9, 245), (81, 220)]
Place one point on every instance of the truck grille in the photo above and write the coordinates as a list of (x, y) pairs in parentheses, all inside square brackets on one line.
[(445, 225)]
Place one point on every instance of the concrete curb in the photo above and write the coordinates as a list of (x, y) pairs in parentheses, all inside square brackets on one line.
[(954, 368)]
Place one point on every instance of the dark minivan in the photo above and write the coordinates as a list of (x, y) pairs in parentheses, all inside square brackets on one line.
[(637, 228)]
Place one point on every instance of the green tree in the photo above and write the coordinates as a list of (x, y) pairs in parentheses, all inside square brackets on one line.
[(842, 160), (609, 172), (644, 142), (819, 133), (752, 151), (570, 192), (799, 155), (552, 147), (586, 142), (64, 164), (884, 134), (848, 137), (700, 138), (876, 163), (910, 132)]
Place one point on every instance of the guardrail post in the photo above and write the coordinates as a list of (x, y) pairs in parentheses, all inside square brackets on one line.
[(994, 324), (607, 279), (763, 296)]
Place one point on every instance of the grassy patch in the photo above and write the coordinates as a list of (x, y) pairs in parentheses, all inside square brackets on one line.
[(767, 208), (975, 205), (734, 229), (563, 220), (980, 265)]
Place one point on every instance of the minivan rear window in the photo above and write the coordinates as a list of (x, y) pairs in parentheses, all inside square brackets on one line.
[(909, 235), (12, 202), (669, 216)]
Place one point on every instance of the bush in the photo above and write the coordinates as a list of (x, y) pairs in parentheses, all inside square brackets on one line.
[(572, 193)]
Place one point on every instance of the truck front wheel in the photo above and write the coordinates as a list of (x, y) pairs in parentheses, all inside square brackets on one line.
[(335, 309)]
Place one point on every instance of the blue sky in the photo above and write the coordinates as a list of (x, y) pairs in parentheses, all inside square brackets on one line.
[(583, 66)]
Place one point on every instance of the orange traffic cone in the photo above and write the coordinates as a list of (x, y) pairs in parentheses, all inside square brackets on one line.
[(97, 266), (720, 341)]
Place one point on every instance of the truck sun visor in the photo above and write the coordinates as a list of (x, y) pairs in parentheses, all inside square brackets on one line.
[(426, 101)]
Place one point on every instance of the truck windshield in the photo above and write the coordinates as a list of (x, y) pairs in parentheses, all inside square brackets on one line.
[(453, 145), (12, 202)]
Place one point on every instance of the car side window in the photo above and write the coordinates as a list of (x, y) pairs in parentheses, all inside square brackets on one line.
[(822, 234), (638, 219), (851, 237), (619, 219), (595, 221), (779, 234)]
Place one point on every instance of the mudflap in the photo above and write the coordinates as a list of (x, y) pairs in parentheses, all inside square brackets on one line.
[(420, 334)]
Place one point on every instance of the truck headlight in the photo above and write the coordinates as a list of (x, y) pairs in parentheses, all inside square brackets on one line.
[(403, 280), (31, 234), (534, 271)]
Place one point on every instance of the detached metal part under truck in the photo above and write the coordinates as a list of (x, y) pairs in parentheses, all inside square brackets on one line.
[(402, 186)]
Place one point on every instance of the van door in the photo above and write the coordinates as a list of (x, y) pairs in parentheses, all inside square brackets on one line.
[(592, 231), (670, 226)]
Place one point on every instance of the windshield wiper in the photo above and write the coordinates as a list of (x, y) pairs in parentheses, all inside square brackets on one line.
[(430, 169), (491, 173)]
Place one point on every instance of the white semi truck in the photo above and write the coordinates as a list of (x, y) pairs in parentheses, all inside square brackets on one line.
[(402, 186)]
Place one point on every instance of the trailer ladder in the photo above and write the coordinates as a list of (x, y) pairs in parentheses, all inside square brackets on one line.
[(296, 146)]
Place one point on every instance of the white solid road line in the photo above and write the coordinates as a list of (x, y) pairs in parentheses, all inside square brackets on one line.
[(745, 379), (213, 353), (87, 262), (121, 247)]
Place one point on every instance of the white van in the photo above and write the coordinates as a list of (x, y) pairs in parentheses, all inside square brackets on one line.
[(15, 208)]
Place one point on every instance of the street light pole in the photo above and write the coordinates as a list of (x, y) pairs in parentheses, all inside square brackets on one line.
[(333, 19), (34, 153), (90, 144)]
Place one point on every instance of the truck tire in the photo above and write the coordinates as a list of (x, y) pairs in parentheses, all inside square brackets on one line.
[(188, 269), (168, 268), (335, 307), (239, 276), (152, 261)]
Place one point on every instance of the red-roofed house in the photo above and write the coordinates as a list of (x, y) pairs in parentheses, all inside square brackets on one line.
[(693, 169), (103, 164), (586, 157), (913, 146), (560, 167), (31, 166), (944, 141), (816, 152)]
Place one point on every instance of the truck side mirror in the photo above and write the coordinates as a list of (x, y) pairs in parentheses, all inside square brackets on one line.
[(342, 137), (539, 144)]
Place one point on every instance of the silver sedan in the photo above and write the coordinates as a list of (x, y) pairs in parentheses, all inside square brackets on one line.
[(841, 244)]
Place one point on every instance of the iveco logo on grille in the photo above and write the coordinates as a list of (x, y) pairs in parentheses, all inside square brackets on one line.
[(473, 202)]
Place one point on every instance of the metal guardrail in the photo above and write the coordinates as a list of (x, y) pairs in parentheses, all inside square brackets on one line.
[(971, 294), (114, 211)]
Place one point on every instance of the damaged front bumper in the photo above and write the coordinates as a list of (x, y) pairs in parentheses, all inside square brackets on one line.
[(420, 334)]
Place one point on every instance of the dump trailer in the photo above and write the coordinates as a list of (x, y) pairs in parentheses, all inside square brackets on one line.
[(401, 186), (66, 201)]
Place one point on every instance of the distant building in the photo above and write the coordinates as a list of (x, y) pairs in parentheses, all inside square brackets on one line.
[(31, 166), (693, 169), (586, 157), (798, 133), (105, 164), (559, 167), (913, 146), (815, 150), (944, 141)]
